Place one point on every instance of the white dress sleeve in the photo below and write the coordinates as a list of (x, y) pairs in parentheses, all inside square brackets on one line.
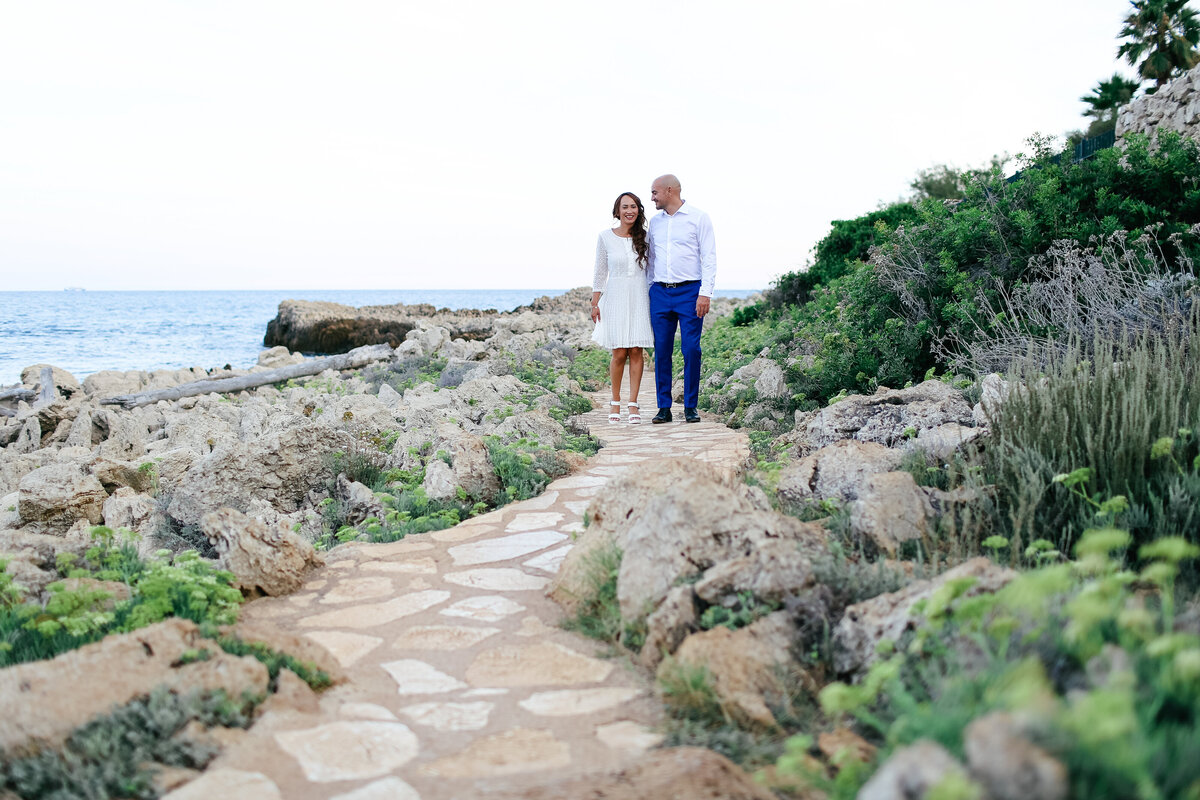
[(600, 273)]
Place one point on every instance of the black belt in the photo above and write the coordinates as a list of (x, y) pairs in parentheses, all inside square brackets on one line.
[(673, 285)]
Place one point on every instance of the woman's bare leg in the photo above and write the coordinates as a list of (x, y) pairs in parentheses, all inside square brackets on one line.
[(616, 370), (637, 363)]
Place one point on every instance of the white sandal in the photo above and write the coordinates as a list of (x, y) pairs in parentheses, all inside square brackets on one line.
[(635, 417), (614, 415)]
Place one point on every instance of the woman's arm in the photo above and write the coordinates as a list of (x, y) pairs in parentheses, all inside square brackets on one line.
[(599, 277)]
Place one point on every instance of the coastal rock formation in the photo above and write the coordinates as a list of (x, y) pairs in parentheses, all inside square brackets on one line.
[(265, 561), (890, 416), (44, 701), (1174, 107), (56, 496), (835, 471)]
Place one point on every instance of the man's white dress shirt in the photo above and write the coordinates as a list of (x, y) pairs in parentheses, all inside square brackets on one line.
[(682, 248)]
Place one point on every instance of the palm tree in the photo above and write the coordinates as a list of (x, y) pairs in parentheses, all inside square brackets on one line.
[(1107, 97), (1162, 38)]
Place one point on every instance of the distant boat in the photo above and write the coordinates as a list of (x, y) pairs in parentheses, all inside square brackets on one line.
[(74, 289)]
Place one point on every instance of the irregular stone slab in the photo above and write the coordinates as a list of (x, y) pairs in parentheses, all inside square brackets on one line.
[(417, 677), (355, 589), (543, 500), (628, 736), (504, 548), (569, 702), (542, 664), (442, 637), (549, 562), (497, 579), (314, 586), (347, 648), (534, 521), (416, 566), (487, 608), (577, 506), (533, 626), (365, 711), (343, 751), (227, 783), (375, 614), (461, 533), (509, 753), (301, 600), (386, 789), (579, 482), (402, 547), (450, 716)]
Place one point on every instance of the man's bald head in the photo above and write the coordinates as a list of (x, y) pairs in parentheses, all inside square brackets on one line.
[(665, 192)]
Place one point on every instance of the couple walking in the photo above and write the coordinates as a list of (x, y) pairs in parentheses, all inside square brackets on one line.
[(648, 281)]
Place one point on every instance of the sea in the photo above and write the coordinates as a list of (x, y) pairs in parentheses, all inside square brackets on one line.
[(85, 331)]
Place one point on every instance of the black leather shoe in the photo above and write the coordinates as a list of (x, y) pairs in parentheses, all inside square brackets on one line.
[(663, 415), (691, 415)]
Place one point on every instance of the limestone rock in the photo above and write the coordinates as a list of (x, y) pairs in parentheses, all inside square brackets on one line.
[(439, 480), (277, 470), (275, 357), (944, 441), (865, 624), (669, 625), (890, 509), (473, 469), (56, 496), (889, 416), (911, 772), (835, 471), (1008, 765), (45, 700), (771, 572), (743, 665), (358, 501), (30, 436), (64, 382), (264, 560)]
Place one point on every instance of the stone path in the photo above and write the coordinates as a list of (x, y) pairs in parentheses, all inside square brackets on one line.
[(460, 682)]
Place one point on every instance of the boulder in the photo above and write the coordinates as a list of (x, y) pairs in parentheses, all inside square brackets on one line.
[(264, 561), (125, 508), (57, 495), (44, 701), (744, 666), (29, 438), (864, 625), (772, 571), (890, 416), (439, 480), (358, 501), (944, 441), (110, 383), (672, 519), (890, 509), (64, 381), (666, 628), (277, 470), (912, 772), (835, 471), (1008, 766), (276, 357), (141, 477), (994, 391), (473, 469), (9, 516)]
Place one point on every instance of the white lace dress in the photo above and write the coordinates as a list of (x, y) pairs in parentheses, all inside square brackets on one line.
[(625, 302)]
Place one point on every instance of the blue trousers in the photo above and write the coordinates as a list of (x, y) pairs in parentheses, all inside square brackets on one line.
[(670, 307)]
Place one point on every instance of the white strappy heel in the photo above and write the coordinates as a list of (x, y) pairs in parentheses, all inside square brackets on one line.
[(635, 417), (614, 415)]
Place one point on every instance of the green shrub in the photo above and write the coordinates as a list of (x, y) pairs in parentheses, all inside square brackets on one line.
[(747, 610), (116, 756), (1088, 648), (1125, 412), (274, 661), (597, 612)]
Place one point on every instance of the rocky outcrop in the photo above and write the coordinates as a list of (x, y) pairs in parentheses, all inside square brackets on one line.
[(890, 510), (1174, 107), (264, 560), (44, 701), (890, 416), (56, 496), (836, 471)]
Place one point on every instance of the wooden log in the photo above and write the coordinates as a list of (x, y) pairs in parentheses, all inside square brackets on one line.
[(7, 412), (358, 357), (17, 393), (48, 392)]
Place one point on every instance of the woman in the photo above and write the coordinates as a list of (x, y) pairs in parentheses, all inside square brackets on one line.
[(621, 300)]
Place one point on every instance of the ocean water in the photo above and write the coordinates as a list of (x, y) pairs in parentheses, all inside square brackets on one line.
[(85, 332)]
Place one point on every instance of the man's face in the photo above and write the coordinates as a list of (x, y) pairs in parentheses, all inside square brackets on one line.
[(659, 194)]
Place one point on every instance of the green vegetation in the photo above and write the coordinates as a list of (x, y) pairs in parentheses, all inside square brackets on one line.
[(1162, 38), (159, 587), (1088, 649), (117, 756)]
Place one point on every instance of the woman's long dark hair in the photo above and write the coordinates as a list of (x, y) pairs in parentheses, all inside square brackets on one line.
[(639, 226)]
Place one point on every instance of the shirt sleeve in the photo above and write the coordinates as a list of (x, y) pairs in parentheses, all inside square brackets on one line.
[(600, 273), (650, 253), (708, 255)]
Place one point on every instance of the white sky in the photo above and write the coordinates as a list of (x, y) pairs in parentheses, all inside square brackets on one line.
[(403, 145)]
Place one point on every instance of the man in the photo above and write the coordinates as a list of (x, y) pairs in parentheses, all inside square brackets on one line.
[(681, 268)]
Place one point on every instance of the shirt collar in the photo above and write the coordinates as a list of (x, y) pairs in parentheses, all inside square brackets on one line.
[(683, 209)]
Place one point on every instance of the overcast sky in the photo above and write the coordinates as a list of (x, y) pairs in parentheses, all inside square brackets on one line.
[(407, 145)]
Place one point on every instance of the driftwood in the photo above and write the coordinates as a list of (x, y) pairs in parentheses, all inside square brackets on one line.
[(48, 391), (7, 412), (17, 393), (358, 357)]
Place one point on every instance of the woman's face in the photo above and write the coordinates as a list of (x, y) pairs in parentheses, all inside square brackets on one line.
[(627, 211)]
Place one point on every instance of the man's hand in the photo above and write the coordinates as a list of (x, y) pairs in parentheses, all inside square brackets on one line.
[(702, 303)]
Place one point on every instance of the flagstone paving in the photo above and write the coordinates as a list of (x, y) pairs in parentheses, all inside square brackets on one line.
[(460, 679)]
